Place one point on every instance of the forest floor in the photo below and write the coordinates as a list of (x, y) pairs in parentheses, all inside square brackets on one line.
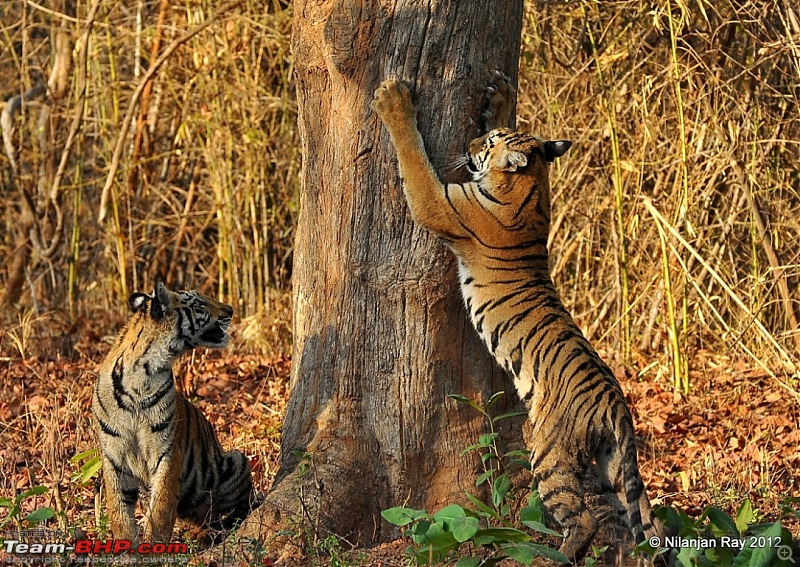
[(736, 435)]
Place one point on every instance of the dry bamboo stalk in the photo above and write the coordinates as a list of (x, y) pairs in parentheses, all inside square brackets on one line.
[(126, 123), (778, 269), (145, 102), (787, 361)]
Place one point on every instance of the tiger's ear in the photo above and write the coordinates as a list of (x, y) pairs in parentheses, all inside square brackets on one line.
[(162, 301), (138, 301), (512, 160), (555, 148)]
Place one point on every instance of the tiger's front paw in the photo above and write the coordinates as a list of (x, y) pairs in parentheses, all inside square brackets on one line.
[(498, 102), (392, 102)]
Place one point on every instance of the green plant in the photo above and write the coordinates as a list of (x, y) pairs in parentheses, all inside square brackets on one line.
[(593, 559), (716, 539), (489, 527), (14, 507), (89, 469), (330, 545), (497, 466)]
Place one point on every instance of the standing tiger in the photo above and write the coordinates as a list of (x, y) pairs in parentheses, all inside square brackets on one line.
[(151, 437), (497, 225)]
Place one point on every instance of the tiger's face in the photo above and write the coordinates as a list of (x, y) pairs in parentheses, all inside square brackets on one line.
[(193, 319), (511, 170), (505, 151)]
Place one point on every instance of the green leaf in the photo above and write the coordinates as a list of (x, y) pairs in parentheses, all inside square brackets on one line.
[(519, 453), (90, 468), (487, 439), (483, 509), (494, 399), (787, 509), (519, 458), (400, 516), (541, 528), (520, 552), (723, 523), (500, 488), (645, 548), (550, 553), (484, 477), (468, 562), (449, 512), (464, 528), (532, 514), (687, 556), (424, 555), (508, 414), (84, 455), (468, 402), (499, 535), (786, 536), (469, 448), (525, 552), (440, 544), (40, 515), (421, 527), (676, 521), (721, 556), (487, 456), (6, 502), (433, 530), (744, 516), (35, 491), (759, 556)]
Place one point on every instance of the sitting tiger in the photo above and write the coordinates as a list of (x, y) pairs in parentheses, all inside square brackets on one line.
[(497, 225), (151, 437)]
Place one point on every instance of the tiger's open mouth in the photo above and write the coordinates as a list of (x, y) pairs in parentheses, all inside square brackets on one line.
[(216, 334)]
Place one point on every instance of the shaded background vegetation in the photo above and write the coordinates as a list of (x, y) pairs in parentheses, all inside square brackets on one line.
[(676, 213)]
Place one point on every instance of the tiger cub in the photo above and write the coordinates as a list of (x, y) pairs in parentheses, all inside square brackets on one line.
[(151, 437), (497, 225)]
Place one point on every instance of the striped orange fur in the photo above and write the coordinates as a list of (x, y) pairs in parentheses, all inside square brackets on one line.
[(497, 225), (154, 439)]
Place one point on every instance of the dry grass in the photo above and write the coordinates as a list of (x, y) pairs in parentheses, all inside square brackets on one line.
[(205, 190), (685, 122), (676, 212)]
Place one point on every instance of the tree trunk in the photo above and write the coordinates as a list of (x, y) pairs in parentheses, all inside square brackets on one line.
[(380, 333)]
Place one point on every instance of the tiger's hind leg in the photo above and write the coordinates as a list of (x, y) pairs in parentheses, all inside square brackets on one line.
[(558, 477)]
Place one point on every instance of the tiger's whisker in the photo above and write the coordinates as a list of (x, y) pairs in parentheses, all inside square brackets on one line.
[(455, 163)]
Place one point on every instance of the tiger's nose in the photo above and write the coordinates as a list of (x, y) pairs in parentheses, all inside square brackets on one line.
[(227, 310)]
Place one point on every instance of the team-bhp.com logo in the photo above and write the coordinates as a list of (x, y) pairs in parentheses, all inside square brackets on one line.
[(14, 547), (117, 546)]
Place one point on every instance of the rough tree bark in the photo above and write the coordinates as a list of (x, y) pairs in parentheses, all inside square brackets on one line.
[(380, 333)]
